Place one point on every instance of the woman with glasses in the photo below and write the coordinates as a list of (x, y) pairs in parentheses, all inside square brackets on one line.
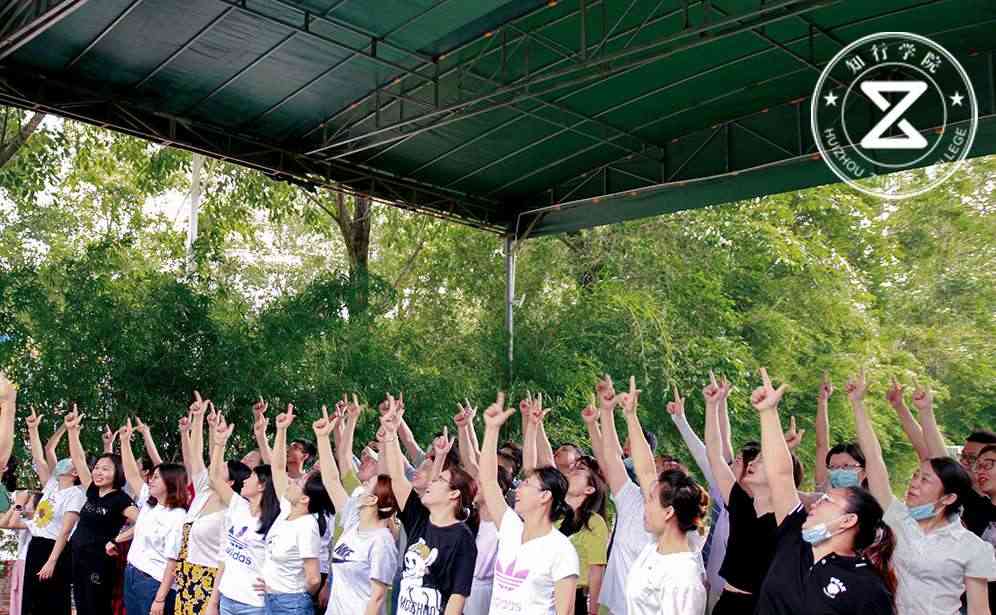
[(835, 558), (438, 564), (936, 558), (536, 569), (840, 466)]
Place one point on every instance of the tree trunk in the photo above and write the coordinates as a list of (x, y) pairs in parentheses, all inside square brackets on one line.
[(7, 150)]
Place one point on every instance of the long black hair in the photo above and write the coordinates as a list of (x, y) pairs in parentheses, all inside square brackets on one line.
[(954, 479), (319, 502), (238, 472), (555, 483), (9, 478), (874, 540), (593, 503), (269, 503)]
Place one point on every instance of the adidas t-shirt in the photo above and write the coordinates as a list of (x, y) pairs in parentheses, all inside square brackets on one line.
[(360, 556), (526, 574), (245, 550)]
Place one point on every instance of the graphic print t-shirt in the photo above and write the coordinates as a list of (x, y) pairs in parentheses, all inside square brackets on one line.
[(55, 503), (359, 557), (101, 519), (526, 574), (438, 562), (245, 550)]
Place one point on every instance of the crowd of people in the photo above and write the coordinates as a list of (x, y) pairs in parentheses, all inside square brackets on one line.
[(481, 525)]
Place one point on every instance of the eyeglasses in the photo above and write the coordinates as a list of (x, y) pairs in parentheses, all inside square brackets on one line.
[(538, 488), (969, 460), (850, 466), (985, 464)]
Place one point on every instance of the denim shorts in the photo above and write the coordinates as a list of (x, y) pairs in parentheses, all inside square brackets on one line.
[(228, 606), (140, 590), (289, 604)]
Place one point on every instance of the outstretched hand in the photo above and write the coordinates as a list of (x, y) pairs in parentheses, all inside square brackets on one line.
[(198, 406), (605, 392), (677, 406), (712, 392), (630, 399), (857, 386), (766, 396), (8, 392), (443, 444), (222, 431), (826, 388), (895, 394), (793, 437), (325, 425), (141, 427), (73, 419), (922, 398), (284, 419), (126, 431), (33, 420), (495, 415), (589, 414)]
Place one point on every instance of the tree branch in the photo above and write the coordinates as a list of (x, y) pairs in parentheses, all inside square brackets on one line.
[(26, 131)]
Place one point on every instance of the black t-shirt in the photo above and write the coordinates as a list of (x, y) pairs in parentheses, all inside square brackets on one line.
[(751, 544), (101, 518), (979, 517), (835, 585), (438, 562)]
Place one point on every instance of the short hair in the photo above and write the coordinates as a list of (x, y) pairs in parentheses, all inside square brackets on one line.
[(308, 446), (991, 448), (981, 436)]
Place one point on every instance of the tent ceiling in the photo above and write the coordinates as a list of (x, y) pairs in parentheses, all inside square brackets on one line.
[(477, 110)]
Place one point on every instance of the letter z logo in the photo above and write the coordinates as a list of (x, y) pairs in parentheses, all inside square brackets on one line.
[(874, 139)]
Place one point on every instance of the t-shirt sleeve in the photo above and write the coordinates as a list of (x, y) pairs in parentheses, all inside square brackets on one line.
[(981, 563), (174, 540), (791, 527), (565, 562), (143, 497), (122, 502), (511, 526), (463, 569), (414, 514), (74, 501), (384, 559), (629, 515), (309, 541), (896, 513), (350, 481)]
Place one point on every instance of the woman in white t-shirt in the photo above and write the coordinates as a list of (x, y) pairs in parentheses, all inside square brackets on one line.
[(365, 557), (291, 572), (16, 517), (196, 555), (536, 570), (936, 559), (47, 570), (248, 518), (162, 503)]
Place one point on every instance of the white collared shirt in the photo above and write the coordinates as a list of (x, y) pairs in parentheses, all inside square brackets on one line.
[(932, 567)]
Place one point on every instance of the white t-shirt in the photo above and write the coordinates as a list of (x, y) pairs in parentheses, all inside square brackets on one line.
[(288, 544), (52, 508), (359, 557), (931, 568), (245, 550), (628, 540), (206, 530), (487, 550), (156, 529), (526, 574), (671, 584)]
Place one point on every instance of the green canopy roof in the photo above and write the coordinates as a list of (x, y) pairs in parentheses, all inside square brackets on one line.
[(590, 111)]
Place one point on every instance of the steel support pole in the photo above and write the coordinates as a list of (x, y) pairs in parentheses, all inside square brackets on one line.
[(510, 245)]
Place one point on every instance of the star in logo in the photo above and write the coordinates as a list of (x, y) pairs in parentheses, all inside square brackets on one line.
[(831, 99), (956, 99)]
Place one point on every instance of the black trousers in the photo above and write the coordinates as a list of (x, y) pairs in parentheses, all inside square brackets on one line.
[(93, 581), (51, 595), (732, 603)]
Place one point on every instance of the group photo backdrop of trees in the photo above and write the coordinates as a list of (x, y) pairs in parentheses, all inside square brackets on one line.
[(298, 296)]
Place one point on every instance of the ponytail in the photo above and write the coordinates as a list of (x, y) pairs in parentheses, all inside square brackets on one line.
[(879, 555)]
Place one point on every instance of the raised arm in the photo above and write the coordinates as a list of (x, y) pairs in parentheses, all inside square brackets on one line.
[(441, 447), (724, 419), (351, 416), (643, 456), (676, 409), (822, 431), (544, 452), (51, 456), (721, 471), (196, 453), (777, 458), (529, 435), (323, 427), (132, 472), (8, 410), (914, 433), (390, 421), (612, 463), (37, 452), (220, 434), (259, 430), (279, 455), (108, 438), (76, 450), (495, 416), (469, 452), (150, 444), (590, 417), (184, 430), (923, 400), (875, 468), (407, 438)]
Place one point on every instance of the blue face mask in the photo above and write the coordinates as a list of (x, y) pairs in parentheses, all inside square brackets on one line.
[(818, 533), (63, 467), (923, 511), (839, 479)]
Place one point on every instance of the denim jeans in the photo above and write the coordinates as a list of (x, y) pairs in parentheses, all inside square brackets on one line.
[(234, 607), (140, 591), (289, 604)]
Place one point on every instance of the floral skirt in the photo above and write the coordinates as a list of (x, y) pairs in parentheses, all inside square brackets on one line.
[(194, 583)]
